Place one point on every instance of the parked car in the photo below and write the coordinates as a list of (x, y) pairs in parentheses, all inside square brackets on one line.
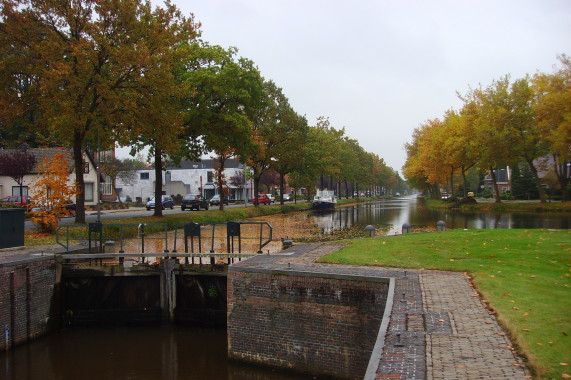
[(263, 198), (215, 200), (18, 201), (286, 197), (69, 209), (470, 193), (272, 198), (194, 202), (166, 202)]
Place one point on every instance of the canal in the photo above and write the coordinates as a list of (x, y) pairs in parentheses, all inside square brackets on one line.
[(184, 352)]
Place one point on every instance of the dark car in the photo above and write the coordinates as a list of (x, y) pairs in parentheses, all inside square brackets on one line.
[(166, 202), (17, 201), (215, 200), (194, 202)]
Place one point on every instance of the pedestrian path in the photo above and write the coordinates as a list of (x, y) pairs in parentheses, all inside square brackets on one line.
[(444, 329)]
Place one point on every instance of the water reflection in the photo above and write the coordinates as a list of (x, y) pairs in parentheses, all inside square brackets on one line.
[(391, 214), (152, 352)]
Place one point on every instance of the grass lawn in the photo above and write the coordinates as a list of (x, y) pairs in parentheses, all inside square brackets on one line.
[(525, 276)]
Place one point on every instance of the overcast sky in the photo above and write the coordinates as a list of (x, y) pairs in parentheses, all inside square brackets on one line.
[(381, 68)]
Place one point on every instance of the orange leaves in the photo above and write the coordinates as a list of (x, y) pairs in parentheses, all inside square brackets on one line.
[(51, 190)]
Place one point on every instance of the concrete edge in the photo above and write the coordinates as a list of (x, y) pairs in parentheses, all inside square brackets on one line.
[(375, 358), (33, 257), (328, 275)]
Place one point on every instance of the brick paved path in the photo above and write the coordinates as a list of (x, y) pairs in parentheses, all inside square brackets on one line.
[(445, 330)]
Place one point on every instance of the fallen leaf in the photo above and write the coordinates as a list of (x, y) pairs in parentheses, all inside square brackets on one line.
[(564, 364), (565, 376), (441, 320), (516, 365), (539, 344), (460, 366), (525, 314), (501, 334), (526, 330)]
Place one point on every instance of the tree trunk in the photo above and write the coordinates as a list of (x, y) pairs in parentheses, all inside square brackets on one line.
[(321, 182), (158, 183), (452, 182), (562, 172), (282, 188), (537, 180), (346, 189), (465, 182), (257, 178), (495, 184), (220, 180), (79, 168)]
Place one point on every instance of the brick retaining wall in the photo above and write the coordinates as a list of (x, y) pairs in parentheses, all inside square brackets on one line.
[(314, 323), (27, 299)]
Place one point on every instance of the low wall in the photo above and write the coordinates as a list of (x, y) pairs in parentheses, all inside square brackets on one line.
[(320, 324), (28, 292)]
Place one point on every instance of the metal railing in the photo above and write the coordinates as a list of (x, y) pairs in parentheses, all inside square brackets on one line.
[(137, 237)]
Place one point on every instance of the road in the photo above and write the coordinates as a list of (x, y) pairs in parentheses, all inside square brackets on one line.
[(91, 216)]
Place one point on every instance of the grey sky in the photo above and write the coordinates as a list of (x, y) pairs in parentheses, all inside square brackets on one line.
[(381, 68)]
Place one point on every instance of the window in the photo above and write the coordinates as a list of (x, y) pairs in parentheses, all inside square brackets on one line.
[(85, 167), (210, 177), (107, 186), (88, 191), (16, 190), (144, 175)]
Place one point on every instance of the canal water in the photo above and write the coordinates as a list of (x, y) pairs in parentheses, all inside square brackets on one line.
[(389, 216), (183, 352), (130, 353)]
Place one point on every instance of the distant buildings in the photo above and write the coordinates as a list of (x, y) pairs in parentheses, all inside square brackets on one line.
[(189, 177)]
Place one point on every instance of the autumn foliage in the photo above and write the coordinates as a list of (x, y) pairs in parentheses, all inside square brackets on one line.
[(51, 192)]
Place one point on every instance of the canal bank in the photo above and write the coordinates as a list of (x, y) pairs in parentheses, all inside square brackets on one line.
[(438, 327)]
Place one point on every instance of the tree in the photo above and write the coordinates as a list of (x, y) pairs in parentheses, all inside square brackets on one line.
[(223, 96), (268, 118), (291, 133), (552, 109), (17, 164), (87, 65), (51, 192)]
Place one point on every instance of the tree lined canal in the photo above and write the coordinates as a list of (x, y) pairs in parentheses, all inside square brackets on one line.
[(183, 352)]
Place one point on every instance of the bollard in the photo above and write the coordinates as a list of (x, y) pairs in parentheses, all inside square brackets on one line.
[(286, 243), (371, 230), (441, 226), (406, 228), (110, 246)]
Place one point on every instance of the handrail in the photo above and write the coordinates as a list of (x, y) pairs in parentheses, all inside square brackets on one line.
[(97, 229)]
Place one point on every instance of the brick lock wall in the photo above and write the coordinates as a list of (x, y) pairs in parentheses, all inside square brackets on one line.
[(27, 299), (316, 325)]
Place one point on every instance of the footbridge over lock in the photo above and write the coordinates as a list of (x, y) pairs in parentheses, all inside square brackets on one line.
[(146, 273)]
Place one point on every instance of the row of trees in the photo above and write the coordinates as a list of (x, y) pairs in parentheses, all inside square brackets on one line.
[(92, 73), (505, 123)]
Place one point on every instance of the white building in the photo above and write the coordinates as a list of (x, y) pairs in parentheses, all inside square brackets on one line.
[(188, 178)]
